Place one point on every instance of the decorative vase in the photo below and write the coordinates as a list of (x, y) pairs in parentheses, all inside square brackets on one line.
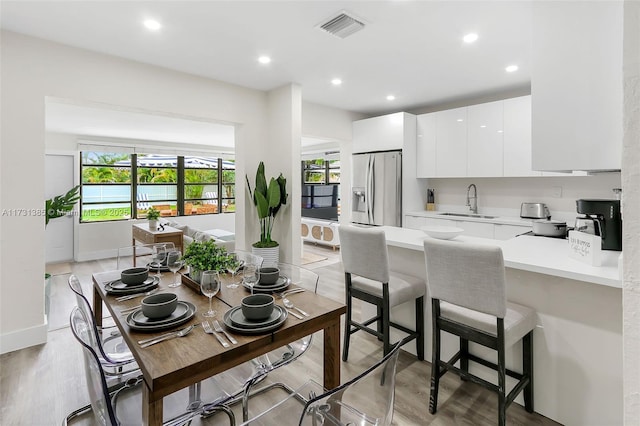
[(195, 274), (153, 225), (271, 255)]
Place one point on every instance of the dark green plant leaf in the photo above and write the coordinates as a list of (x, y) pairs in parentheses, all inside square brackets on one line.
[(60, 205), (262, 204)]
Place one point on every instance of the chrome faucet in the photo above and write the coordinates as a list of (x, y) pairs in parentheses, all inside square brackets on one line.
[(473, 206)]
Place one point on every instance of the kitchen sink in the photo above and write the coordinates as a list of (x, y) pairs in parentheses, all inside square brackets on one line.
[(481, 216)]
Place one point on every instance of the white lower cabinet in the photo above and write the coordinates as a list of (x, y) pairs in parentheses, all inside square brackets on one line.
[(476, 229)]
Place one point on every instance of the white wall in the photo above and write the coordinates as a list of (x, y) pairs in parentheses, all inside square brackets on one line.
[(33, 69), (631, 214), (503, 196)]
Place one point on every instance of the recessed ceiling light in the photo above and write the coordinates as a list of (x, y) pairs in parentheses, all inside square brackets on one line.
[(511, 68), (390, 97), (483, 126), (470, 38), (152, 24), (264, 59), (336, 82), (459, 120), (500, 131)]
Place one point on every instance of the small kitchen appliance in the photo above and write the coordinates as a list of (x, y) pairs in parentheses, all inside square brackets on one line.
[(534, 211), (607, 214)]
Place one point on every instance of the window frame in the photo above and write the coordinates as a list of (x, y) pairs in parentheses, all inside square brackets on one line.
[(134, 187)]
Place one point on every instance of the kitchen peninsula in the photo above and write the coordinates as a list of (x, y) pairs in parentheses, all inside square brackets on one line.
[(578, 338)]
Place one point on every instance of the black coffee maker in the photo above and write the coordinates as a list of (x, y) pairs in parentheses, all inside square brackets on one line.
[(607, 214)]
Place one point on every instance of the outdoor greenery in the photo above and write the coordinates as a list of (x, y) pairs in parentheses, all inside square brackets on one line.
[(268, 201), (60, 205), (320, 171), (206, 256)]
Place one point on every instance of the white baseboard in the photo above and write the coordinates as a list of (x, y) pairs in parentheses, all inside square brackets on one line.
[(24, 338)]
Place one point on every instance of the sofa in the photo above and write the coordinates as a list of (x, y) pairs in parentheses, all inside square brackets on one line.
[(191, 234)]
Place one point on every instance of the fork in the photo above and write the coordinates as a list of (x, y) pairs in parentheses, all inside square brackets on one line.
[(219, 329), (207, 329)]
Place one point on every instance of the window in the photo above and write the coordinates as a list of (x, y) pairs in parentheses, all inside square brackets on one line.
[(208, 184), (321, 171), (174, 185), (157, 179), (321, 189), (106, 186)]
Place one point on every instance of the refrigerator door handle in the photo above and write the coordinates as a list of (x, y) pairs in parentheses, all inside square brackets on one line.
[(372, 189)]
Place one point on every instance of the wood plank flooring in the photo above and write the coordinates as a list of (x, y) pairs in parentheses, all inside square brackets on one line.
[(41, 384)]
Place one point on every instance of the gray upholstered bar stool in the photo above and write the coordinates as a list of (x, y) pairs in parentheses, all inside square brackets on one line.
[(467, 286), (367, 277)]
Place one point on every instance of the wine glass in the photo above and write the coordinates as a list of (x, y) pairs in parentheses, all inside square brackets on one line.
[(174, 263), (234, 266), (159, 255), (210, 286), (251, 275)]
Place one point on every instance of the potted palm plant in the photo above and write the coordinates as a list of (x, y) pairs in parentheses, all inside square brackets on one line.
[(268, 200), (153, 215)]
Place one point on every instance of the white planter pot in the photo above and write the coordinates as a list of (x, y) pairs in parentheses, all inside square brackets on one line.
[(271, 255), (153, 225)]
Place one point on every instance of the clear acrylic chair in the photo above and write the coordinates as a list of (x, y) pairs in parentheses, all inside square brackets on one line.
[(284, 355), (112, 350), (123, 407), (140, 255), (113, 354), (365, 400)]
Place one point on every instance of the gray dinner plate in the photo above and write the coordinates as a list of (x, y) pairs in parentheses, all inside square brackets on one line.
[(271, 288), (255, 330), (238, 319), (282, 280), (130, 290), (165, 326), (181, 311), (119, 285)]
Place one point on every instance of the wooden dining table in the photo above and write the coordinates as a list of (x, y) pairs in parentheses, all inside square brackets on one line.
[(183, 361)]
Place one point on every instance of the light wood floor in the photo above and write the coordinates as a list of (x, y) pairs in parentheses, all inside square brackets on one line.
[(41, 384)]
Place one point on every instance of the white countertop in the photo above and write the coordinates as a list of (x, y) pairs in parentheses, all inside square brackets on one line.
[(530, 253), (503, 220)]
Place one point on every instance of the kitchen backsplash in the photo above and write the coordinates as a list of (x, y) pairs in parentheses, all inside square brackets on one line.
[(503, 196)]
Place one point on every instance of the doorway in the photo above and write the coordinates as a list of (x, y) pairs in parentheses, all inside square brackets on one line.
[(59, 233)]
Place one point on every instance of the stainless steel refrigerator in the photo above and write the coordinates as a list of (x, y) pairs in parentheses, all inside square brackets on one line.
[(376, 188)]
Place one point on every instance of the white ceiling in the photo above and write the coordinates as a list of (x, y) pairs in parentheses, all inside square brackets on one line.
[(412, 49)]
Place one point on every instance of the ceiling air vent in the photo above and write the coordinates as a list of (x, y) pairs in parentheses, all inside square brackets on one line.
[(342, 25)]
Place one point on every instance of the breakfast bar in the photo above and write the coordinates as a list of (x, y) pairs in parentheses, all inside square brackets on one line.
[(578, 338)]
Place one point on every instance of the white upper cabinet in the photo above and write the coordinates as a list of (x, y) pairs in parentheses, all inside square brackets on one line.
[(426, 146), (384, 133), (451, 143), (576, 85), (517, 137), (484, 139)]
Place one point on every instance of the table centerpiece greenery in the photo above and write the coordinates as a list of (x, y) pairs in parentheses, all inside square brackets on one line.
[(206, 256)]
